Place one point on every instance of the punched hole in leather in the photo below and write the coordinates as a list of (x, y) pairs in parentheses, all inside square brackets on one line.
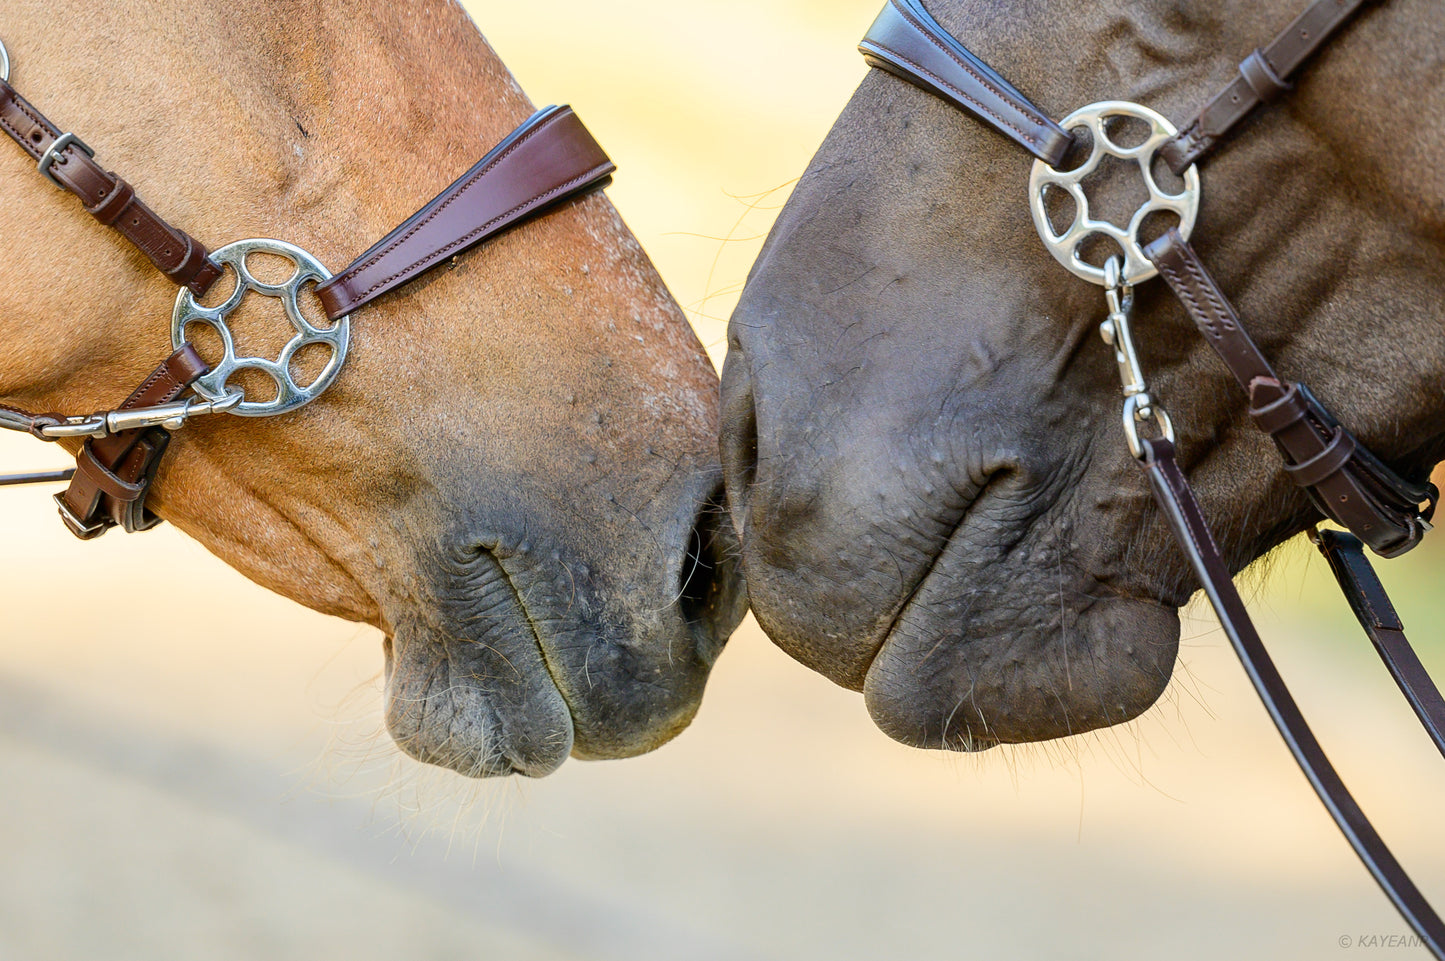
[(1355, 490)]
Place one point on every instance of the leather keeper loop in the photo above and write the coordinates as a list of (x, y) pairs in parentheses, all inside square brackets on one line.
[(1262, 79), (1280, 414), (1326, 464), (198, 271), (114, 204), (104, 480)]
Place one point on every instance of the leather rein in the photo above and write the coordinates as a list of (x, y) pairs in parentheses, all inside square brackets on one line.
[(1346, 482), (548, 159)]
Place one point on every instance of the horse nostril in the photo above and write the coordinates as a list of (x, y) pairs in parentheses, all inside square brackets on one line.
[(697, 574), (739, 435), (709, 589)]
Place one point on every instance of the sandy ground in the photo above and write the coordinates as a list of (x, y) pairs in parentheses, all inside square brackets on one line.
[(220, 792)]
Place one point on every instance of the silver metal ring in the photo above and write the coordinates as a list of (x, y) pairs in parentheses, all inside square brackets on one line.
[(290, 394), (4, 62), (1065, 246), (1137, 409)]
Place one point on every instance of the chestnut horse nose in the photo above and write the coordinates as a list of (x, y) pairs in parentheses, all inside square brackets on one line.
[(710, 591)]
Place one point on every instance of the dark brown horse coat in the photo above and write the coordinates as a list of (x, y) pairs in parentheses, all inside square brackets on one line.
[(921, 430)]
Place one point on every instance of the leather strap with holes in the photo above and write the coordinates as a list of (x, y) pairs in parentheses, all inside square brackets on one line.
[(1262, 79), (106, 197), (1345, 480), (548, 159)]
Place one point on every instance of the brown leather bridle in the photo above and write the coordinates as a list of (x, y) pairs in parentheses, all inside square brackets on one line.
[(1346, 482), (547, 160)]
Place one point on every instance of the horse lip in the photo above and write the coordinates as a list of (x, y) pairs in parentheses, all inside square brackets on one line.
[(535, 630), (943, 547), (496, 753)]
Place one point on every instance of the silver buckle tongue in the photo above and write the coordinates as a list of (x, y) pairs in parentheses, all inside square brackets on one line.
[(1065, 246), (290, 394)]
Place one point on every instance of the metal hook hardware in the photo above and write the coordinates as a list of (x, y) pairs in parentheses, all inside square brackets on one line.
[(170, 416), (1137, 409), (4, 62), (1118, 334)]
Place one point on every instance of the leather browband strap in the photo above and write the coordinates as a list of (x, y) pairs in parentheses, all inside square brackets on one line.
[(907, 42), (1346, 482), (1182, 512), (106, 197), (1372, 607), (1263, 77), (548, 159)]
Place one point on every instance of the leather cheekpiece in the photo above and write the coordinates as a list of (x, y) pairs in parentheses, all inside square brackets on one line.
[(1262, 78), (1344, 480), (106, 197)]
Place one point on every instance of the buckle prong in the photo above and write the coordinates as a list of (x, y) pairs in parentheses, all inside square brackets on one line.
[(52, 154)]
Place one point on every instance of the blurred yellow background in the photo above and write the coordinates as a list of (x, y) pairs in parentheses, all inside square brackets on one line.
[(223, 792)]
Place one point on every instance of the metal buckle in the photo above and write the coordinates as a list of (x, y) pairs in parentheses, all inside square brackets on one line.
[(289, 394), (47, 159), (78, 527), (4, 62), (1065, 246)]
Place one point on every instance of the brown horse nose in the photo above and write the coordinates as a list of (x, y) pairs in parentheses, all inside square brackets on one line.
[(738, 438)]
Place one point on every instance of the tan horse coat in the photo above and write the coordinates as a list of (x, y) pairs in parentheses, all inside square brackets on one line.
[(507, 475)]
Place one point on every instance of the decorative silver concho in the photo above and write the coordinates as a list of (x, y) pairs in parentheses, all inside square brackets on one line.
[(1065, 246), (290, 394)]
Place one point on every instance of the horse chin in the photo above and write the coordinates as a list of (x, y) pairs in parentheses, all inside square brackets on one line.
[(515, 653), (947, 680), (1006, 636), (479, 702)]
